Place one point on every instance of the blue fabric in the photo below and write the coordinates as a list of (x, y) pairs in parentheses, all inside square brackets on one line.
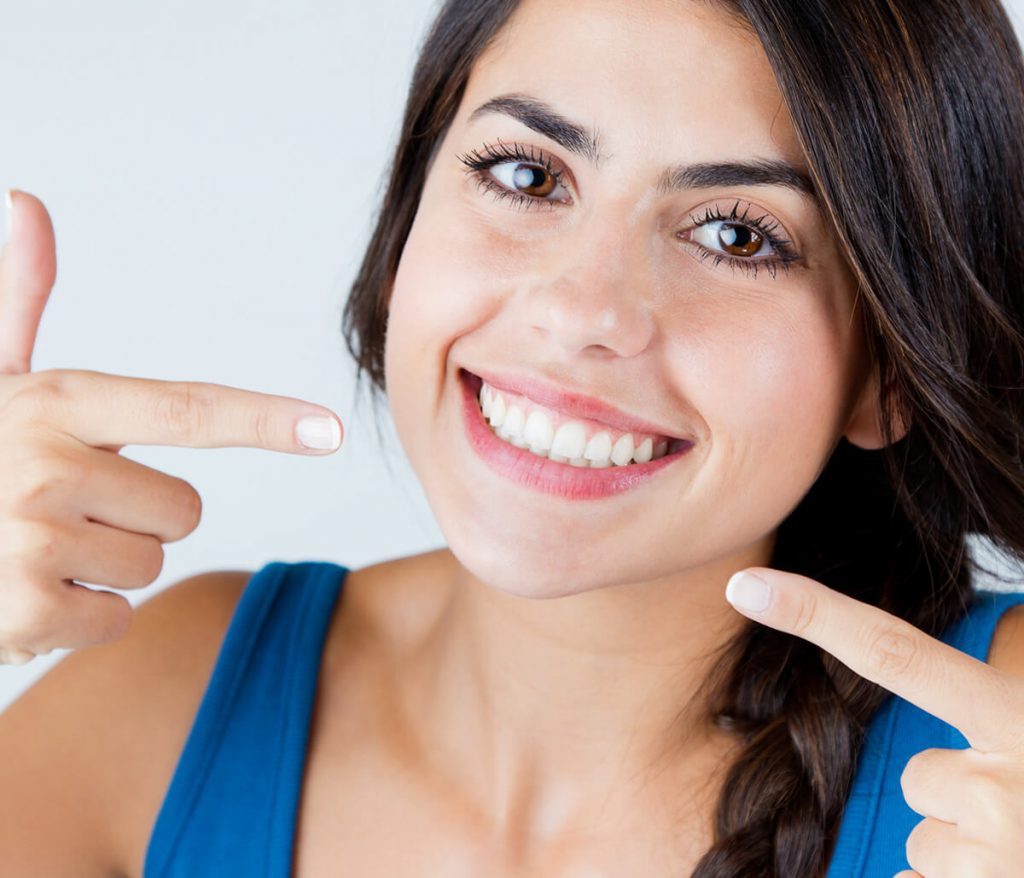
[(877, 820), (232, 804)]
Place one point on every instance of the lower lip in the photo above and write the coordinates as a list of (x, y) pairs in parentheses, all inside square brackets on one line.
[(550, 476)]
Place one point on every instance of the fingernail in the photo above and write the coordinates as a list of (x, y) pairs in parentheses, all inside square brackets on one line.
[(322, 434), (746, 591), (7, 218)]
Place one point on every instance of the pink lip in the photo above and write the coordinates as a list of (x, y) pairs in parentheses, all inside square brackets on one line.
[(549, 476), (573, 404)]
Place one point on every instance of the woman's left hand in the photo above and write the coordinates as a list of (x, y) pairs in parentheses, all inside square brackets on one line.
[(972, 800)]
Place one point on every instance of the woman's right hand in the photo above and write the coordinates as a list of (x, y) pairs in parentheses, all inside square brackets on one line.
[(71, 507)]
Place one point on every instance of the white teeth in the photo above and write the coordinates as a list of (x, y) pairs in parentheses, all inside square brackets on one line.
[(622, 453), (643, 453), (538, 433), (497, 414), (512, 427), (599, 450), (569, 443), (570, 440)]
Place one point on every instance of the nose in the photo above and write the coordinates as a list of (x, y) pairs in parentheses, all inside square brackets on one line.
[(593, 296)]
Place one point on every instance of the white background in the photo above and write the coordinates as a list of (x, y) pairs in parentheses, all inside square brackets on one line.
[(212, 170)]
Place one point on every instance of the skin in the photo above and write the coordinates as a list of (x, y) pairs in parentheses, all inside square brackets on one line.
[(551, 686), (971, 798)]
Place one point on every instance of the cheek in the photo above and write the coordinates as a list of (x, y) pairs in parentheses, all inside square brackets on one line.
[(451, 269), (446, 285), (774, 393)]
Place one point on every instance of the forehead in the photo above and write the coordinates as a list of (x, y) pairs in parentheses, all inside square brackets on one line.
[(665, 80)]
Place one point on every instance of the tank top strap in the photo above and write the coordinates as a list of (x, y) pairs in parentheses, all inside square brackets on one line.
[(973, 633), (877, 820), (232, 803)]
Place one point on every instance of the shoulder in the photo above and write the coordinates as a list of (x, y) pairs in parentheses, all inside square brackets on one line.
[(107, 725), (390, 607), (1006, 651)]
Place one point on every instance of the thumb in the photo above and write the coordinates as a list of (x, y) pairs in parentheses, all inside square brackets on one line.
[(28, 269)]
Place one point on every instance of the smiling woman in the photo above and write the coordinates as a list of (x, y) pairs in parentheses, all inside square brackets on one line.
[(776, 227), (701, 325)]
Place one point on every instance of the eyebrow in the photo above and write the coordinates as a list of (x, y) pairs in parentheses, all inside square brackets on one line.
[(576, 138)]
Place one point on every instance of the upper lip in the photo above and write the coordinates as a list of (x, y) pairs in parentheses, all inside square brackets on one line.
[(570, 402)]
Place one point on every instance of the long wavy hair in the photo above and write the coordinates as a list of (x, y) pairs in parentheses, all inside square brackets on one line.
[(911, 119)]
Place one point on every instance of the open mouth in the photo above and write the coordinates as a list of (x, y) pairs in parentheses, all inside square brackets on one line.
[(512, 451), (549, 433)]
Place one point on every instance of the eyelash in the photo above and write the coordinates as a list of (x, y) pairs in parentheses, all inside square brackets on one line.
[(477, 165), (479, 162)]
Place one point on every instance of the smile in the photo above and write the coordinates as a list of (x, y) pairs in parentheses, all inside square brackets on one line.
[(571, 458), (553, 435)]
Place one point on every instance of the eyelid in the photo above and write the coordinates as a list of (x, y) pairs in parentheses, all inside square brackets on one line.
[(784, 254), (479, 163), (753, 217), (479, 166)]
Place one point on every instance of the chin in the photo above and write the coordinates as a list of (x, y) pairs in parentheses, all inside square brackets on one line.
[(520, 574)]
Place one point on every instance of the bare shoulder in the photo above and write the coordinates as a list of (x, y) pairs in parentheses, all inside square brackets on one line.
[(89, 750), (393, 605), (1007, 649)]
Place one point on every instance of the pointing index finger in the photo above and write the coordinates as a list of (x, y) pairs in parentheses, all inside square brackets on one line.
[(963, 692), (196, 414)]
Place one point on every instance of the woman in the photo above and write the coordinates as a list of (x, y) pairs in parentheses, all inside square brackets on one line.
[(744, 274)]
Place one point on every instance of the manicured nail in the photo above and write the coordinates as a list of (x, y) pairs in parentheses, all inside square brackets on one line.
[(746, 591), (322, 434), (10, 205)]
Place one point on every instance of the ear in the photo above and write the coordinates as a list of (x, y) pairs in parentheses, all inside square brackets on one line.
[(864, 429)]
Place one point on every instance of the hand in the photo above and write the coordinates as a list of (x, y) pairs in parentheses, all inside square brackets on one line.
[(973, 799), (70, 506)]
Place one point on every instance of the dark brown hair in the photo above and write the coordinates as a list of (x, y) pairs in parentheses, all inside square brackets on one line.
[(911, 118)]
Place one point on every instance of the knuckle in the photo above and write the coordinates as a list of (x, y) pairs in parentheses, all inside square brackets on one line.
[(892, 651), (988, 792), (262, 426), (805, 615), (42, 393), (49, 541), (40, 477), (29, 616), (181, 408), (15, 567), (35, 544)]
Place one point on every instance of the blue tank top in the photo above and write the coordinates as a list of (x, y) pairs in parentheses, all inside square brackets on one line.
[(232, 804)]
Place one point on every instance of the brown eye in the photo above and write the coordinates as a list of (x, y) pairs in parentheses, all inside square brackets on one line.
[(740, 240), (747, 244), (531, 180)]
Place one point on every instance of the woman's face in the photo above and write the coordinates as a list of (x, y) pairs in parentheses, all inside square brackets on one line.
[(597, 263)]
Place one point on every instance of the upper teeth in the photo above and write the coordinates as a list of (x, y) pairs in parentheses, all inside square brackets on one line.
[(569, 443)]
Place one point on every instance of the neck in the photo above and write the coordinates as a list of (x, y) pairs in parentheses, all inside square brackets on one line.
[(543, 710)]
